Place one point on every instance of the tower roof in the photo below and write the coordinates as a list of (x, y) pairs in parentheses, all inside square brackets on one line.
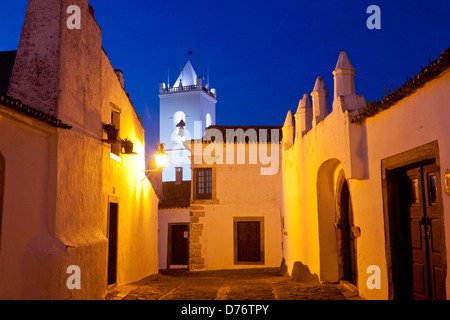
[(289, 121), (343, 61), (320, 85), (305, 102), (188, 77)]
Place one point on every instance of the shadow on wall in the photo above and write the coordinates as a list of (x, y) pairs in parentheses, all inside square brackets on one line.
[(300, 272)]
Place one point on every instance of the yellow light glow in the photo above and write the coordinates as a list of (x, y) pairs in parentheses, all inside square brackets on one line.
[(161, 157)]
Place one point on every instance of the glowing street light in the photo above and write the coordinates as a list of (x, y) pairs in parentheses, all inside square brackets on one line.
[(161, 157)]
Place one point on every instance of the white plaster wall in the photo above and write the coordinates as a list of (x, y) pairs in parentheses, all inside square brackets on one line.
[(195, 104), (79, 176), (241, 191), (359, 149), (30, 258), (165, 217)]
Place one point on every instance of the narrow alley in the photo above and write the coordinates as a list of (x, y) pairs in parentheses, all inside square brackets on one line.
[(250, 284)]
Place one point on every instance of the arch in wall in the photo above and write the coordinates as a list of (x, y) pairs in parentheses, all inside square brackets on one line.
[(337, 241), (326, 209), (176, 137), (208, 120)]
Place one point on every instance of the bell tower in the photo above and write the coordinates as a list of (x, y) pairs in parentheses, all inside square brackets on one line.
[(185, 110)]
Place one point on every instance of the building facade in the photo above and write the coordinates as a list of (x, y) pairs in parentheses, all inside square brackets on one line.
[(364, 186), (71, 195), (186, 109), (235, 199)]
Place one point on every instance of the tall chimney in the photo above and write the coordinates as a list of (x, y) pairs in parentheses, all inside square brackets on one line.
[(288, 131), (303, 116), (35, 76), (119, 74), (344, 76), (320, 101)]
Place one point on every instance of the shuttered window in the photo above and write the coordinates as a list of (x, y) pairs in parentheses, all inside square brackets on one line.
[(203, 183)]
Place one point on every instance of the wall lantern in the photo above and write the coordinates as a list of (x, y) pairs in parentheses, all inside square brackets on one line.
[(161, 157)]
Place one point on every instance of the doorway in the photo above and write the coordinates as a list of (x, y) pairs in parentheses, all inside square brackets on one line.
[(178, 255), (346, 240), (248, 241), (420, 228), (112, 242)]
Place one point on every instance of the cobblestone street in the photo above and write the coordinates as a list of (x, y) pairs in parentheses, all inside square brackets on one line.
[(228, 285)]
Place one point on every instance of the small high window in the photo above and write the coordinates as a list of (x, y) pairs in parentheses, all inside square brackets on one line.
[(203, 183), (179, 174), (179, 133), (115, 120), (208, 120)]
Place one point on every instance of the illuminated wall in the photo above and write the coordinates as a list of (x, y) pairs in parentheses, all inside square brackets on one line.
[(63, 203), (313, 160)]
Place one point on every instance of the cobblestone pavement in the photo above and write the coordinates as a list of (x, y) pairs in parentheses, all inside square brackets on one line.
[(251, 284)]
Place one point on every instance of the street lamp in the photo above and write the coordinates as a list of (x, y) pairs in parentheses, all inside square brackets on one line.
[(161, 157)]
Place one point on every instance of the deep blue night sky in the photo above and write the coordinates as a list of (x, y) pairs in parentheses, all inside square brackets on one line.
[(262, 55)]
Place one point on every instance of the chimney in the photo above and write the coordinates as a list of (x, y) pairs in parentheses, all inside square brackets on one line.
[(288, 131), (319, 101), (344, 76), (36, 71), (162, 86), (303, 116), (119, 74)]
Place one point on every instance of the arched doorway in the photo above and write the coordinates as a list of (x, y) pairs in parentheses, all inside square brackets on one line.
[(345, 235)]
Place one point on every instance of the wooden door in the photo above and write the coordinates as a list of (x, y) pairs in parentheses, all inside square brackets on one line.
[(421, 234), (112, 243), (179, 236), (346, 239), (249, 241)]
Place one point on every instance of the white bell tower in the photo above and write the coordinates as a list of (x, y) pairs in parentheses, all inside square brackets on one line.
[(188, 101)]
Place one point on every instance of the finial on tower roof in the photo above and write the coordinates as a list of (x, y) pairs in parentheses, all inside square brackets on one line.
[(320, 85), (343, 61)]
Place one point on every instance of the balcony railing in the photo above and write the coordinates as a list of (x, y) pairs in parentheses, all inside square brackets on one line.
[(187, 88)]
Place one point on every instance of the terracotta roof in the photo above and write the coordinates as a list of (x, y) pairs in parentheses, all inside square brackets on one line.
[(176, 196), (18, 106), (432, 71), (241, 134)]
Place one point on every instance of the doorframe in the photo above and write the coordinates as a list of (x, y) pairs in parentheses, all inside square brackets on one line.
[(236, 241), (112, 199), (340, 182), (169, 241), (391, 205)]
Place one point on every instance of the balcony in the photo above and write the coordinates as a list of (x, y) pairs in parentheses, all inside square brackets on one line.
[(187, 88)]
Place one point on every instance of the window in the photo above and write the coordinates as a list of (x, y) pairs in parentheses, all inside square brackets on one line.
[(178, 134), (115, 120), (2, 186), (179, 174), (208, 120), (203, 183)]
